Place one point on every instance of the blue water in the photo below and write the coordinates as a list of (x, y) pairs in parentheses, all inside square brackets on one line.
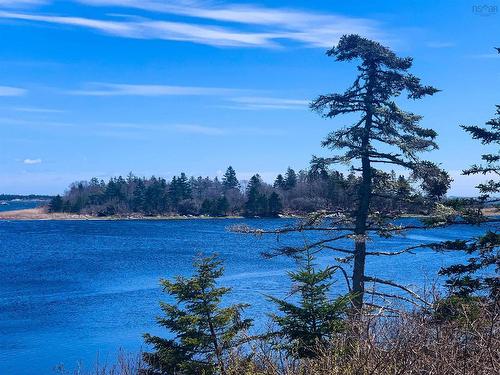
[(20, 205), (74, 290)]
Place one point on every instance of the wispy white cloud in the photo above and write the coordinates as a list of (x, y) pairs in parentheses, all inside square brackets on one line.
[(260, 103), (38, 110), (21, 3), (32, 161), (11, 91), (146, 130), (35, 123), (152, 29), (236, 13), (221, 26), (113, 89)]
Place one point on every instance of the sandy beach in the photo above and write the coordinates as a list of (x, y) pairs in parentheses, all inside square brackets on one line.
[(41, 213)]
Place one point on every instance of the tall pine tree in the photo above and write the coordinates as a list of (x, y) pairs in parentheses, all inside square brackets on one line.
[(383, 134)]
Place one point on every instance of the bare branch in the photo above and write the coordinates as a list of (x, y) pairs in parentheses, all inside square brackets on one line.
[(393, 284)]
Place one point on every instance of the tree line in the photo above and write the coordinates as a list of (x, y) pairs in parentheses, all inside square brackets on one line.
[(9, 197), (302, 192)]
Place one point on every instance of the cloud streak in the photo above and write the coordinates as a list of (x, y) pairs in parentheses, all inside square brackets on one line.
[(37, 110), (11, 91), (21, 3), (152, 29), (134, 130), (122, 89), (216, 25), (263, 103), (32, 161)]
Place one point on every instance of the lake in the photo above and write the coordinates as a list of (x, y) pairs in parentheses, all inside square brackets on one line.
[(74, 290)]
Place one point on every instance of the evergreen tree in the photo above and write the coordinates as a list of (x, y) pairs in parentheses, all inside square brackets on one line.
[(312, 322), (383, 135), (204, 331), (318, 168), (489, 135), (479, 275), (56, 204), (206, 207), (139, 196), (254, 184), (179, 189), (222, 205), (274, 204), (256, 204), (184, 187), (229, 180), (290, 179), (382, 77), (279, 183), (155, 200), (403, 187)]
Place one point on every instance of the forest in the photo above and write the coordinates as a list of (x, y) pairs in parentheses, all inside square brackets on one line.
[(292, 193)]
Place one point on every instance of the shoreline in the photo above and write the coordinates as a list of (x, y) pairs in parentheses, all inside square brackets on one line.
[(40, 214)]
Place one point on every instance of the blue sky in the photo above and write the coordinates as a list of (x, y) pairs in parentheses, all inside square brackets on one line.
[(104, 87)]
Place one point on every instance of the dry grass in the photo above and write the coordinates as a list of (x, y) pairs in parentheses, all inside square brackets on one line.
[(408, 344), (411, 343)]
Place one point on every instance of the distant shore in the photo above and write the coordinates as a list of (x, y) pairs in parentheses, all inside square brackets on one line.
[(40, 213)]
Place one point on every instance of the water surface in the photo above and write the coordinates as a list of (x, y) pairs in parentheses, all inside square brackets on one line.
[(72, 290)]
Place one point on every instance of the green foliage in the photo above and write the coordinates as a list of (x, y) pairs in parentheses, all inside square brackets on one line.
[(316, 188), (229, 180), (290, 179), (139, 196), (384, 134), (480, 273), (279, 183), (274, 204), (463, 309), (9, 197), (312, 322), (215, 207), (179, 189), (56, 204), (489, 135), (256, 204), (204, 332)]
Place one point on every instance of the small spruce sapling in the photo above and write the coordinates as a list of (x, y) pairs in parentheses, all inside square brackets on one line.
[(204, 331)]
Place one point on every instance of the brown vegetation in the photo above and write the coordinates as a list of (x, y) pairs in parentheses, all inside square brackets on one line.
[(410, 343)]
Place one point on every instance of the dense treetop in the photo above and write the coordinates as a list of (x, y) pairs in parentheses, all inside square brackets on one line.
[(317, 188)]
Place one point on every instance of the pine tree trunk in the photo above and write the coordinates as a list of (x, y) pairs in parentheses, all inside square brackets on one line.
[(358, 272), (364, 198), (215, 341), (217, 348)]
